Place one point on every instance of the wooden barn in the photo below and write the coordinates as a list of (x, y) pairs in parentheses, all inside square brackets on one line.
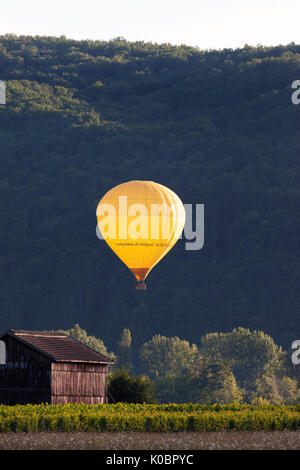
[(43, 366)]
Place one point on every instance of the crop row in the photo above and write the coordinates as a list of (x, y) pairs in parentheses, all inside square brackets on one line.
[(77, 408), (103, 419)]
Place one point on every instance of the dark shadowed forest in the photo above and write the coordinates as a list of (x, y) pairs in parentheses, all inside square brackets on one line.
[(216, 126)]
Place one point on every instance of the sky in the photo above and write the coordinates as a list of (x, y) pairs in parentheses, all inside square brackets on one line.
[(207, 24)]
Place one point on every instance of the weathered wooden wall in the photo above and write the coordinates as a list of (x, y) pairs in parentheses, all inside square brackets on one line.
[(26, 376), (31, 377), (77, 382)]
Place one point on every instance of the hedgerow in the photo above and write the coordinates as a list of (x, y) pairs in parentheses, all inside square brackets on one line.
[(150, 418)]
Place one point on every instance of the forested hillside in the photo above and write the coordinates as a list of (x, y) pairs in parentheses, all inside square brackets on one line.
[(217, 127)]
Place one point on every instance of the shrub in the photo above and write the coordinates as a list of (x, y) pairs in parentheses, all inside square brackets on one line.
[(124, 387)]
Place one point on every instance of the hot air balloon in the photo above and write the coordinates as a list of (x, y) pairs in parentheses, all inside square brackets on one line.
[(140, 221)]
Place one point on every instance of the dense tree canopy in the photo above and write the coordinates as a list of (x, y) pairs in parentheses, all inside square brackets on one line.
[(238, 366), (217, 127), (163, 356), (250, 354)]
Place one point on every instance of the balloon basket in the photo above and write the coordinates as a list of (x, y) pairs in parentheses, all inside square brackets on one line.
[(140, 285)]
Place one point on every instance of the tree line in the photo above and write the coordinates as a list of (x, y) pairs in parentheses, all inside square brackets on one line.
[(240, 366)]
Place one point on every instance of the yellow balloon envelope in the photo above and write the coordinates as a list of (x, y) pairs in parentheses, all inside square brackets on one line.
[(140, 221)]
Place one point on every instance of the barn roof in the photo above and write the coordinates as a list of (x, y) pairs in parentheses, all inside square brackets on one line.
[(58, 346)]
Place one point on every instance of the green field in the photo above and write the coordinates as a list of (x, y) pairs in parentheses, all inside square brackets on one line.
[(148, 418)]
